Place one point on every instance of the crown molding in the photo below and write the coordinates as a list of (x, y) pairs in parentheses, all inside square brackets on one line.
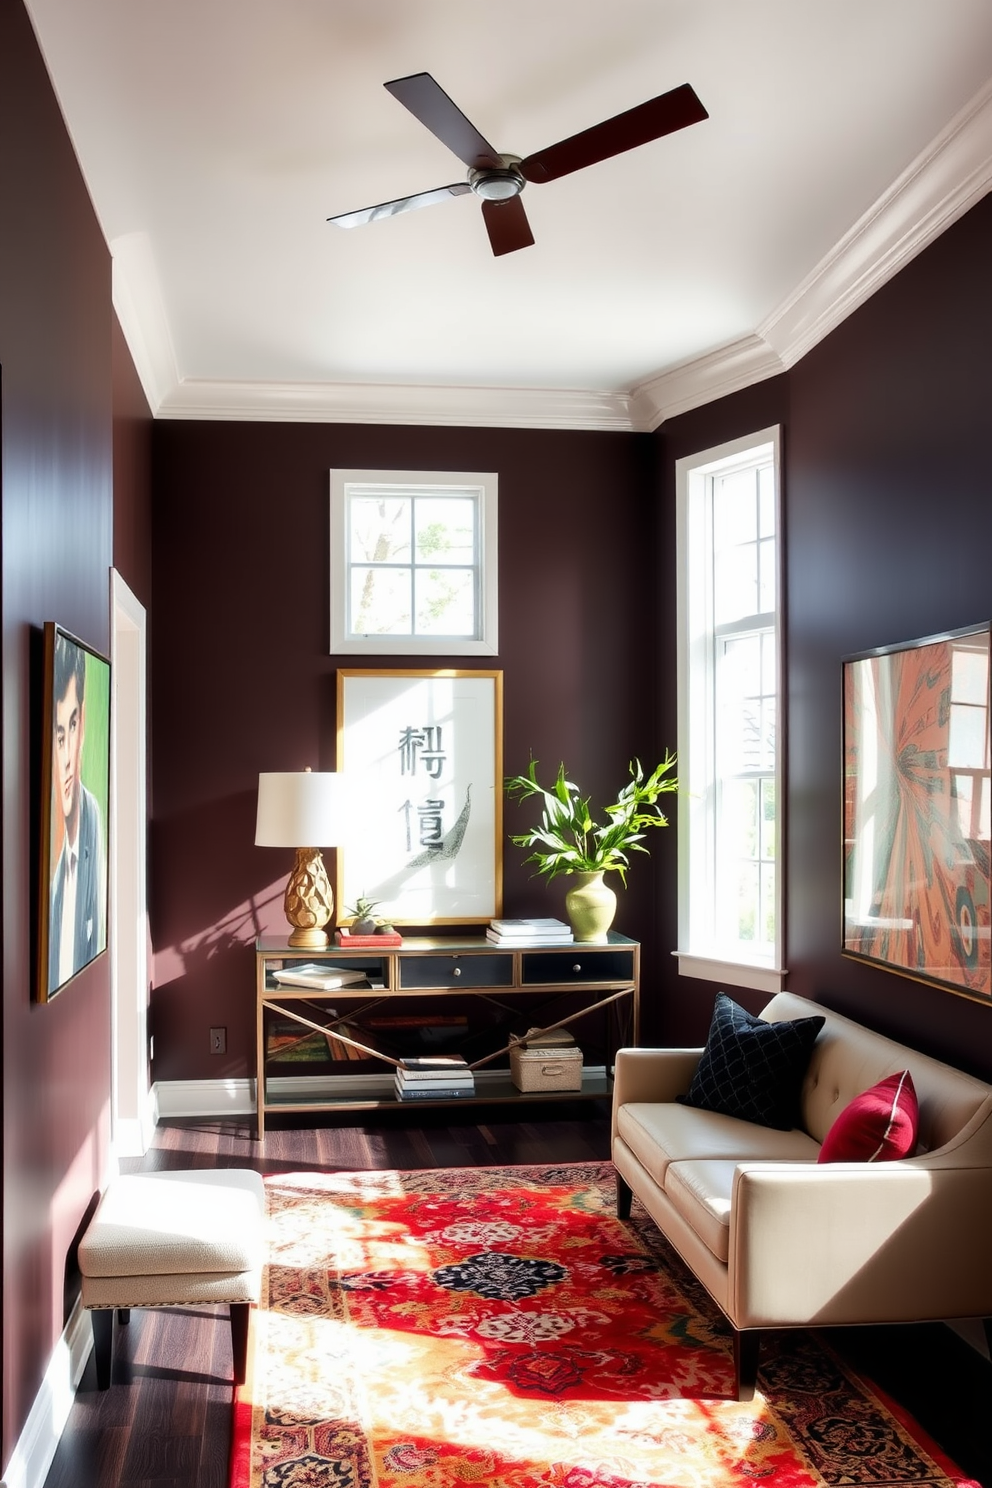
[(726, 370), (941, 184), (140, 307), (395, 403)]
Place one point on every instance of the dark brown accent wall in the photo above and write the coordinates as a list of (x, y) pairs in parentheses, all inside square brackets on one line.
[(57, 532), (888, 532), (889, 538), (244, 682)]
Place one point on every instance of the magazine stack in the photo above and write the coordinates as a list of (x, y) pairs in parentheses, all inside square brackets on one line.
[(529, 932), (434, 1077)]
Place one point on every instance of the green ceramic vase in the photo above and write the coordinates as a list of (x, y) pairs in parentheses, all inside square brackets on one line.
[(590, 905)]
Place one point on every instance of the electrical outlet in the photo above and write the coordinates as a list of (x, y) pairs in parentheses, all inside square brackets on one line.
[(218, 1040)]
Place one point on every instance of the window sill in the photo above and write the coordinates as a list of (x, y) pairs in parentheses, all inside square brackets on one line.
[(756, 978), (410, 646)]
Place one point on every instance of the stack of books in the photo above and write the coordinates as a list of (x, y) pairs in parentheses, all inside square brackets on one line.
[(315, 974), (434, 1077), (529, 932), (379, 938)]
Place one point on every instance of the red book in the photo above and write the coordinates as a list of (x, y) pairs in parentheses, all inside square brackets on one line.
[(344, 937)]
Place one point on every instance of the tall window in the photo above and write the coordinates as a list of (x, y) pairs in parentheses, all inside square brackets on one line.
[(730, 880), (413, 562)]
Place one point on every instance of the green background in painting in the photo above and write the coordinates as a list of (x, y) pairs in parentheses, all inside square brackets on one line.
[(94, 769)]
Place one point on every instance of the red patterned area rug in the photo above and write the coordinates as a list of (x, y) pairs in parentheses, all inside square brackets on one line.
[(501, 1327)]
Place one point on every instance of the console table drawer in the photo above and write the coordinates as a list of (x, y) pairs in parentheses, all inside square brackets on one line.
[(456, 971), (577, 965)]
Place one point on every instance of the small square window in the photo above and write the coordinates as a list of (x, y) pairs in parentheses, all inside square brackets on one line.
[(413, 563)]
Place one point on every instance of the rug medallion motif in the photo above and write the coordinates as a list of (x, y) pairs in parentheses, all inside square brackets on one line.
[(502, 1328)]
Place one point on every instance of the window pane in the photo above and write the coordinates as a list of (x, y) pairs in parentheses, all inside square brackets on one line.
[(769, 845), (734, 508), (766, 753), (445, 601), (380, 529), (766, 501), (739, 835), (745, 901), (380, 601), (766, 576), (735, 586), (445, 530), (768, 903)]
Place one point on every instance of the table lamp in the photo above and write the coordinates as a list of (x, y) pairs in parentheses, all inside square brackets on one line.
[(303, 806)]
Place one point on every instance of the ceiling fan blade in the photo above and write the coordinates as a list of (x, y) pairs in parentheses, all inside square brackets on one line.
[(402, 204), (648, 121), (507, 225), (429, 103)]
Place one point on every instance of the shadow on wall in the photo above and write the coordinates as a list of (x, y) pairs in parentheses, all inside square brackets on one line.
[(212, 887)]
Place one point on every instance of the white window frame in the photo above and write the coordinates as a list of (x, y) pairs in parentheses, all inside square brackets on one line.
[(486, 642), (700, 953)]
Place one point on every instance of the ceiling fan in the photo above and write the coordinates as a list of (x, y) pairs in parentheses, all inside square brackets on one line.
[(499, 179)]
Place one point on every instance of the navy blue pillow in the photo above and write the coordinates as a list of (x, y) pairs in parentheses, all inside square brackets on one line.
[(753, 1069)]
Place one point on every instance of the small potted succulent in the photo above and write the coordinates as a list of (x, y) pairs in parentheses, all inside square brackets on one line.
[(363, 921)]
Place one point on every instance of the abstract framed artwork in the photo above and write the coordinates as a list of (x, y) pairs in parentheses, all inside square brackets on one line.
[(424, 751), (75, 802), (917, 810)]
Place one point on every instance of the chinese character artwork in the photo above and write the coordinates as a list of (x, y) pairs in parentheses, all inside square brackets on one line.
[(426, 748)]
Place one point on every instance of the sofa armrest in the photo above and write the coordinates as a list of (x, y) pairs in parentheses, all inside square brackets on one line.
[(652, 1075), (858, 1243)]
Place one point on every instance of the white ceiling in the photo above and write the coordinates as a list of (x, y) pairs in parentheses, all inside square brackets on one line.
[(216, 136)]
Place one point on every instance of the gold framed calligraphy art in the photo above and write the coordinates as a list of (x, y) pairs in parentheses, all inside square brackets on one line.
[(423, 751)]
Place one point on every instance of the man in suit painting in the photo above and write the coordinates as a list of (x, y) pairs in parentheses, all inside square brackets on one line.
[(77, 925)]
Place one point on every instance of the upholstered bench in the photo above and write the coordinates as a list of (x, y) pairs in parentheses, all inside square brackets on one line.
[(171, 1239)]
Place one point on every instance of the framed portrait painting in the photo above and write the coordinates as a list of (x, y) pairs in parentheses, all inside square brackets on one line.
[(75, 801), (424, 755), (917, 810)]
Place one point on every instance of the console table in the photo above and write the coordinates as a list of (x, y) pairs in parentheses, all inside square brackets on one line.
[(530, 982)]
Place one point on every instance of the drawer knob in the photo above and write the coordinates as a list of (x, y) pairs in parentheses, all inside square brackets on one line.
[(457, 971), (576, 967)]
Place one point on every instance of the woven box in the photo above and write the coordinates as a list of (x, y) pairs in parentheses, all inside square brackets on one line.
[(552, 1062)]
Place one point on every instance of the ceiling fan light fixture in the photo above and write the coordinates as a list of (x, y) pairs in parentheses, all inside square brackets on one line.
[(497, 183)]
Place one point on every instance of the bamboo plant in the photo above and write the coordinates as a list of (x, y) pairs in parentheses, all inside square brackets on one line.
[(568, 840)]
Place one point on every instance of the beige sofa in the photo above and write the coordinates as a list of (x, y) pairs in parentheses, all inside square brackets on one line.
[(780, 1241)]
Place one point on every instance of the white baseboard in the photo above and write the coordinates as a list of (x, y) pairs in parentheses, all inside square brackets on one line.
[(36, 1446), (205, 1097)]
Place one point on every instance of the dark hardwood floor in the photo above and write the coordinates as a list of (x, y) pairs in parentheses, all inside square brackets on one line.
[(165, 1421)]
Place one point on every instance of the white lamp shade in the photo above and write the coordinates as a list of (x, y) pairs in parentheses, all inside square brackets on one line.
[(300, 808)]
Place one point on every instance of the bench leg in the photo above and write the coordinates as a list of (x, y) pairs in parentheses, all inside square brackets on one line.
[(747, 1346), (625, 1196), (240, 1314), (103, 1344), (124, 1316)]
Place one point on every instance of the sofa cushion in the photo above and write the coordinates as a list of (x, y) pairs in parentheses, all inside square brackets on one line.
[(879, 1125), (751, 1068), (701, 1192), (661, 1133)]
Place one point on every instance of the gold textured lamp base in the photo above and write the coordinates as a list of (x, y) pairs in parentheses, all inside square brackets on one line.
[(309, 901)]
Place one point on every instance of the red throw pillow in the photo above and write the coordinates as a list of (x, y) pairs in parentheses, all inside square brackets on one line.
[(878, 1125)]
